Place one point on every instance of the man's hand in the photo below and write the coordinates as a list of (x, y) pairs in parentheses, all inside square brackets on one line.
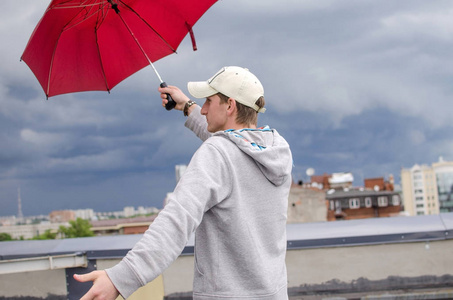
[(177, 95), (102, 289)]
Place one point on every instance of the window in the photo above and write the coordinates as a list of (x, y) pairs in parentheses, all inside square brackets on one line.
[(395, 200), (332, 205), (368, 202), (354, 203), (382, 201)]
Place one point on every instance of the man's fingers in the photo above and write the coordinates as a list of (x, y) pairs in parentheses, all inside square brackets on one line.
[(164, 97), (102, 288), (86, 277), (164, 91)]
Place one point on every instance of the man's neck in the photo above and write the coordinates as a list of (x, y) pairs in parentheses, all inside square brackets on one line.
[(236, 126)]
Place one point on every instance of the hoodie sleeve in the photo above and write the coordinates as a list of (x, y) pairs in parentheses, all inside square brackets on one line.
[(205, 183), (198, 124)]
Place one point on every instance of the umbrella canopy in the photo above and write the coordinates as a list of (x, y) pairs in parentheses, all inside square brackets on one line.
[(92, 45)]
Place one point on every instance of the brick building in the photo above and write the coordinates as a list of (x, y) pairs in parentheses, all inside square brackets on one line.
[(361, 204)]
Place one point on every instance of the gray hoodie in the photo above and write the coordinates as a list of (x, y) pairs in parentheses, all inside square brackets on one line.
[(234, 193)]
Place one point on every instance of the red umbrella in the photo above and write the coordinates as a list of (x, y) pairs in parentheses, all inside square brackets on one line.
[(92, 45)]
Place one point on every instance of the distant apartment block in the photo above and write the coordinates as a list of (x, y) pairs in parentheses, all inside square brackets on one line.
[(428, 190), (130, 211), (444, 180), (179, 171), (86, 214), (58, 216), (71, 215)]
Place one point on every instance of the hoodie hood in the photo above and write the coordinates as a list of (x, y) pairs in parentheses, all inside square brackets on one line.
[(267, 148)]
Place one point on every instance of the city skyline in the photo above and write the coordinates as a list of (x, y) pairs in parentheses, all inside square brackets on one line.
[(179, 170), (354, 86)]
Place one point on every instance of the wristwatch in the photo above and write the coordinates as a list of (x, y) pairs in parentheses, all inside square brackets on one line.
[(186, 107)]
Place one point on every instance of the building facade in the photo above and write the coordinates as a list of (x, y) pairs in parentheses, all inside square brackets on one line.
[(428, 190), (58, 216), (306, 204), (444, 179)]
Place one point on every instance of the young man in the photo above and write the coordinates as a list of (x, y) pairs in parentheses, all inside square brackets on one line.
[(233, 195)]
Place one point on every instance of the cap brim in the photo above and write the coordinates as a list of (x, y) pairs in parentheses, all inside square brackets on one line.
[(201, 89)]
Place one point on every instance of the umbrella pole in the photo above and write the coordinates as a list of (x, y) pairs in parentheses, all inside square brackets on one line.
[(171, 103)]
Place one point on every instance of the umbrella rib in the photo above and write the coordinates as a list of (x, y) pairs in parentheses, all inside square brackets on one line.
[(98, 21), (74, 6), (135, 39), (61, 5), (140, 46), (151, 27), (51, 65), (102, 65)]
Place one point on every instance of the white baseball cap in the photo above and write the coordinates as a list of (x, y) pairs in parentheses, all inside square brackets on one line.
[(234, 82)]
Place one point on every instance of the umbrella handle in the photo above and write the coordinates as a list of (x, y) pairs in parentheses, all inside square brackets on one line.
[(171, 103)]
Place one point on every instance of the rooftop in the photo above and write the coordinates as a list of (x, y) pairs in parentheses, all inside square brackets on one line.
[(302, 235)]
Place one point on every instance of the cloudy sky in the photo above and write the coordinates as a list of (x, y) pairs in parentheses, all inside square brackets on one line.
[(354, 85)]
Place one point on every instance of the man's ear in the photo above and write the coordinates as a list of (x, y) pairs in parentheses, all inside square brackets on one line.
[(231, 105)]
